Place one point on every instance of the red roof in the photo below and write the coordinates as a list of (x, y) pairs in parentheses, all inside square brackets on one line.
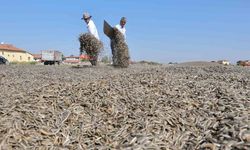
[(84, 56), (9, 47), (37, 56)]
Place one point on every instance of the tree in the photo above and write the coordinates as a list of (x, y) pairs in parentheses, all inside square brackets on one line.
[(106, 59)]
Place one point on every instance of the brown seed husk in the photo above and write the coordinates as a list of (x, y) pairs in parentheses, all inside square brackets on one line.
[(120, 50), (91, 46)]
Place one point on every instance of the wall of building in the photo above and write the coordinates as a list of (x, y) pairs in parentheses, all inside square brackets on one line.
[(71, 58), (13, 56)]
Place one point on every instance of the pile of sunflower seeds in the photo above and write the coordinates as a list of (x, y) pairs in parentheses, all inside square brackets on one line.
[(141, 107), (120, 50), (91, 46)]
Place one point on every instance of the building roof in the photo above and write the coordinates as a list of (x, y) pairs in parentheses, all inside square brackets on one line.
[(9, 47), (83, 56), (37, 56)]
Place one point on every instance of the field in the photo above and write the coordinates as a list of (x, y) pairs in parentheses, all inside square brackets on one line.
[(180, 106)]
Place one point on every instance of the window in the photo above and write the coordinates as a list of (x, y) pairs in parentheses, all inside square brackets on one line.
[(13, 55), (28, 58), (20, 57), (2, 53)]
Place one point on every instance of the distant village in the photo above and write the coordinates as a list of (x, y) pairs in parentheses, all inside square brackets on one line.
[(17, 55), (12, 54)]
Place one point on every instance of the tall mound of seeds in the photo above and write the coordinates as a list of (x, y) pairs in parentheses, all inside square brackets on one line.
[(91, 46), (120, 50)]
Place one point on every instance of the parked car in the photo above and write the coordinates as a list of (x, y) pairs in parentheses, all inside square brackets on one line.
[(243, 63), (3, 61), (224, 62)]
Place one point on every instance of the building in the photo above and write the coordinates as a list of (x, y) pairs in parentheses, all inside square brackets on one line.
[(75, 59), (37, 57), (13, 54), (84, 57), (71, 59)]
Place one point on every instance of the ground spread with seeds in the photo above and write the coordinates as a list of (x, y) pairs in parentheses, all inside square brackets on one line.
[(140, 107)]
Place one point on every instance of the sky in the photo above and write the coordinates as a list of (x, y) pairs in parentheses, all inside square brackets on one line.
[(157, 30)]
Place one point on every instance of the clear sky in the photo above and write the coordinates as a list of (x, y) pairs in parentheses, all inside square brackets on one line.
[(157, 30)]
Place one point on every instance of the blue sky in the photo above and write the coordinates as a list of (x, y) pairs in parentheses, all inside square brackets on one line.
[(157, 30)]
